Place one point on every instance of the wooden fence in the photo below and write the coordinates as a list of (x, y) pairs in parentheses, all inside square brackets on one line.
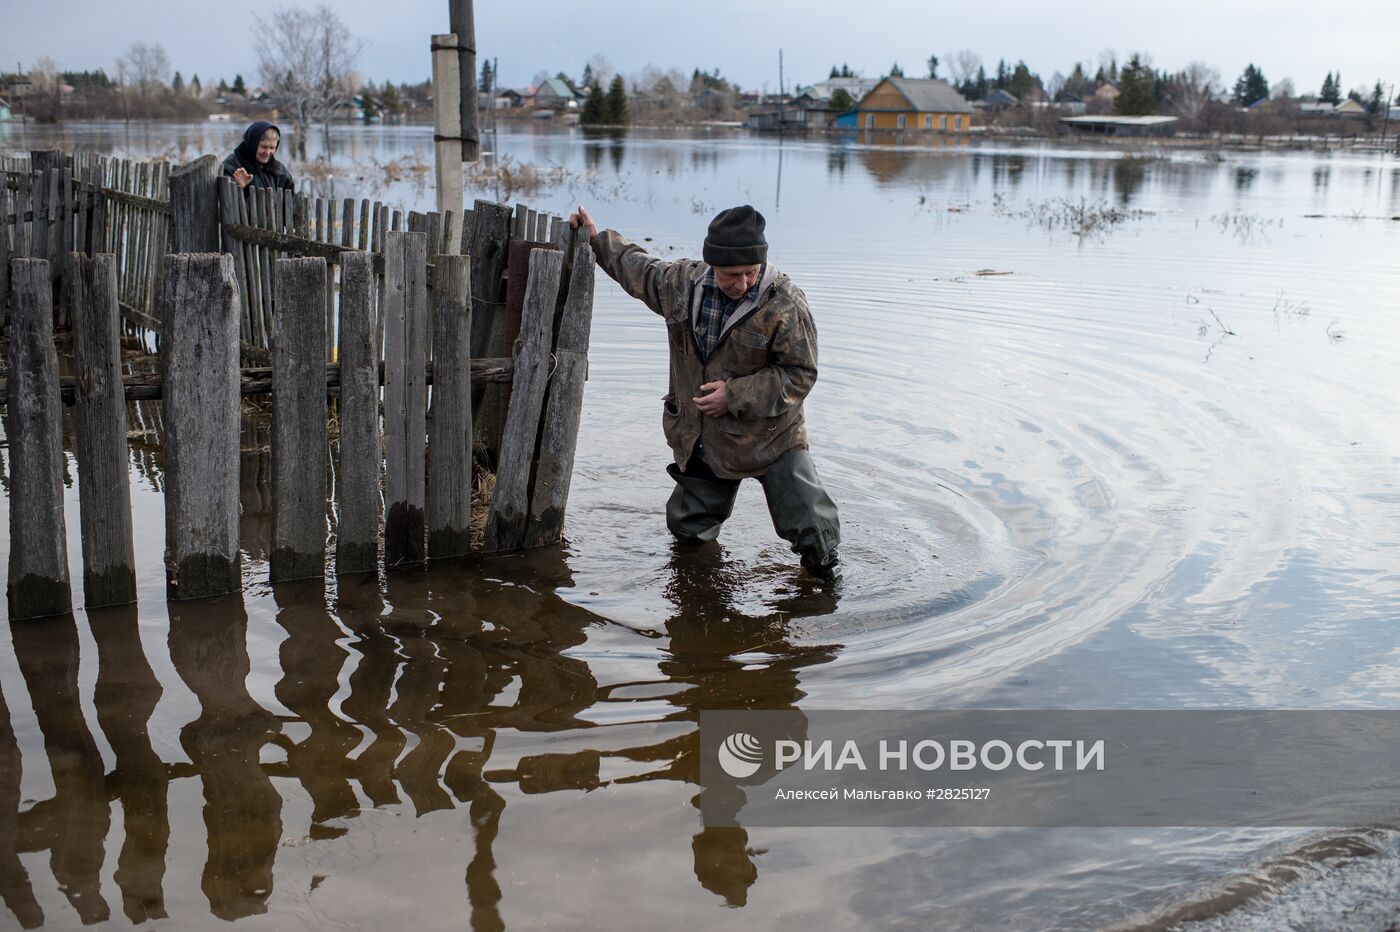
[(498, 329), (52, 204)]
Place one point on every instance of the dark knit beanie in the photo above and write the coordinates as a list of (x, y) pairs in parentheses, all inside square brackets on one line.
[(736, 238)]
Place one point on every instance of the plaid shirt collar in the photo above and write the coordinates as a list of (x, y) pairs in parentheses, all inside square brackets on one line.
[(716, 307)]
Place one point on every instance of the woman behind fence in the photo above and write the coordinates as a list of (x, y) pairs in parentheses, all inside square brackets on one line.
[(254, 162)]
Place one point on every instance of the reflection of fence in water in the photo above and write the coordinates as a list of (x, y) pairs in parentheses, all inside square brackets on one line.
[(445, 701), (396, 697)]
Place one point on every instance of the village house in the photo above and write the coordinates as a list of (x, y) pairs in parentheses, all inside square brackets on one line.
[(997, 99), (554, 94), (921, 104), (808, 110), (1070, 103), (506, 99), (856, 88), (1106, 93)]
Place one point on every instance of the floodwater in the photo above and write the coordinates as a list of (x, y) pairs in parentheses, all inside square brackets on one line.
[(1150, 464)]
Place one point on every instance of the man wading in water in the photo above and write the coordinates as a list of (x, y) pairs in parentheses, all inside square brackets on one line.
[(743, 356)]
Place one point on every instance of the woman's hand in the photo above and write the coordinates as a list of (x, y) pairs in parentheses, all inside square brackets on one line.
[(241, 176)]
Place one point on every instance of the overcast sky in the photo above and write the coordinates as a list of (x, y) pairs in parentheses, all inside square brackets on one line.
[(1298, 39)]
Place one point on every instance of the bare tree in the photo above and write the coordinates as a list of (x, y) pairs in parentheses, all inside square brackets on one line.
[(144, 67), (647, 78), (962, 66), (307, 62), (1283, 89), (1108, 62), (601, 69), (43, 76), (1192, 91)]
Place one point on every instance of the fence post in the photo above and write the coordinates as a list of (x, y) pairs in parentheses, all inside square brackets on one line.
[(299, 421), (559, 436), (450, 427), (99, 414), (38, 583), (201, 399), (506, 520), (194, 199), (361, 454), (405, 393)]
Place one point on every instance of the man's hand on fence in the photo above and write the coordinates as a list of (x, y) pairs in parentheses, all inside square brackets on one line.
[(241, 176), (581, 218)]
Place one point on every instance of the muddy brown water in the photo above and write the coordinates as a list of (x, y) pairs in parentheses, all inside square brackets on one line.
[(1150, 463)]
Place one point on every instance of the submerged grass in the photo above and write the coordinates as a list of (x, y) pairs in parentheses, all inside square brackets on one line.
[(1081, 218)]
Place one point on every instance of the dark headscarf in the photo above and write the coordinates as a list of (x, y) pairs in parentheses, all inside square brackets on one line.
[(247, 150)]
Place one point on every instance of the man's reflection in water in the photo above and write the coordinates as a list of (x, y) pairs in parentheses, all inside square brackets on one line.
[(731, 661)]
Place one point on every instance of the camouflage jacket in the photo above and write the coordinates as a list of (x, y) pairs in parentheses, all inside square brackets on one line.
[(767, 355)]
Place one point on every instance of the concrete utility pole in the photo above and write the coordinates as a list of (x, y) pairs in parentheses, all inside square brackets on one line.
[(455, 137), (447, 124), (463, 23)]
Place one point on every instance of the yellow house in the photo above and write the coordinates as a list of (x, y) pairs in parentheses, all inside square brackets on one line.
[(914, 104)]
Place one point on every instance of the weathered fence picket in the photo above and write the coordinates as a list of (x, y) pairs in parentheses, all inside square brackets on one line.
[(450, 425), (99, 415), (199, 309), (7, 209), (194, 197), (491, 240), (299, 421), (507, 518), (38, 582), (361, 504), (405, 394), (554, 464)]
